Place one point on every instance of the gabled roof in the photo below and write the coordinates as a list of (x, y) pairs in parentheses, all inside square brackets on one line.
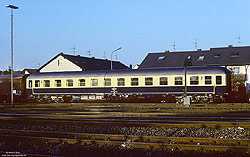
[(225, 56), (29, 71), (86, 63)]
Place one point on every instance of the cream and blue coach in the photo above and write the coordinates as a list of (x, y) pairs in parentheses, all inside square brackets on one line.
[(151, 84)]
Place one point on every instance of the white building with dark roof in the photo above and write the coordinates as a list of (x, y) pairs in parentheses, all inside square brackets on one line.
[(63, 62)]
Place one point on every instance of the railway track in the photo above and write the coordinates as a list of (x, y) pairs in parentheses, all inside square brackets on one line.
[(145, 142), (206, 122), (50, 123)]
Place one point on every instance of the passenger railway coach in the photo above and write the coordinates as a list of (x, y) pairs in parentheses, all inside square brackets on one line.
[(149, 85)]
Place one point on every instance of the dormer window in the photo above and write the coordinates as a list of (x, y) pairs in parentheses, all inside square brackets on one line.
[(161, 58), (217, 54), (234, 54), (201, 58)]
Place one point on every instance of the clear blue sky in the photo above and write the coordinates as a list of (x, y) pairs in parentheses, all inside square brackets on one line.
[(43, 28)]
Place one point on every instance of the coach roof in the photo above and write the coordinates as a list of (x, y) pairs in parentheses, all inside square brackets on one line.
[(130, 72)]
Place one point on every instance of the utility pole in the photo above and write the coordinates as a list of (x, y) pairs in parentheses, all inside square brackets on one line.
[(12, 7), (187, 62), (111, 66)]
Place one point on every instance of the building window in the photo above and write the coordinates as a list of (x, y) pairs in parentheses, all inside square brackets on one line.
[(58, 83), (161, 58), (46, 83), (148, 81), (217, 54), (121, 82), (234, 54), (163, 81), (69, 83), (194, 80), (94, 82), (30, 83), (37, 83), (81, 82), (208, 79), (201, 58), (59, 62), (178, 81), (236, 70), (107, 82), (218, 80), (134, 81)]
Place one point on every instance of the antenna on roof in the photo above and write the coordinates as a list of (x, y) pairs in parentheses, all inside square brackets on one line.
[(74, 50), (89, 54), (196, 44), (239, 41), (104, 54), (173, 46)]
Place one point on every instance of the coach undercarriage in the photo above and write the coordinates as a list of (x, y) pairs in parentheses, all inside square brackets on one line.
[(125, 97)]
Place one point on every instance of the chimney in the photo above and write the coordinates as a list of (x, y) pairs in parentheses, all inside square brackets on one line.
[(130, 66), (230, 45), (198, 49), (167, 51)]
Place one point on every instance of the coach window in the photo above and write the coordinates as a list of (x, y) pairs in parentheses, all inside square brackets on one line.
[(81, 82), (37, 83), (94, 82), (30, 83), (121, 82), (178, 81), (69, 83), (107, 82), (46, 83), (208, 79), (148, 81), (134, 81), (194, 80), (218, 80), (163, 81), (58, 83)]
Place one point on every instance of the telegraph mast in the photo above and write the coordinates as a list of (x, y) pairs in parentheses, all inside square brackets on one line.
[(196, 43), (89, 54), (74, 50), (173, 46), (104, 54), (239, 41)]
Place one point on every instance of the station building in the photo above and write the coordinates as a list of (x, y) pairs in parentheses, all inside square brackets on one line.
[(63, 62), (237, 59)]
